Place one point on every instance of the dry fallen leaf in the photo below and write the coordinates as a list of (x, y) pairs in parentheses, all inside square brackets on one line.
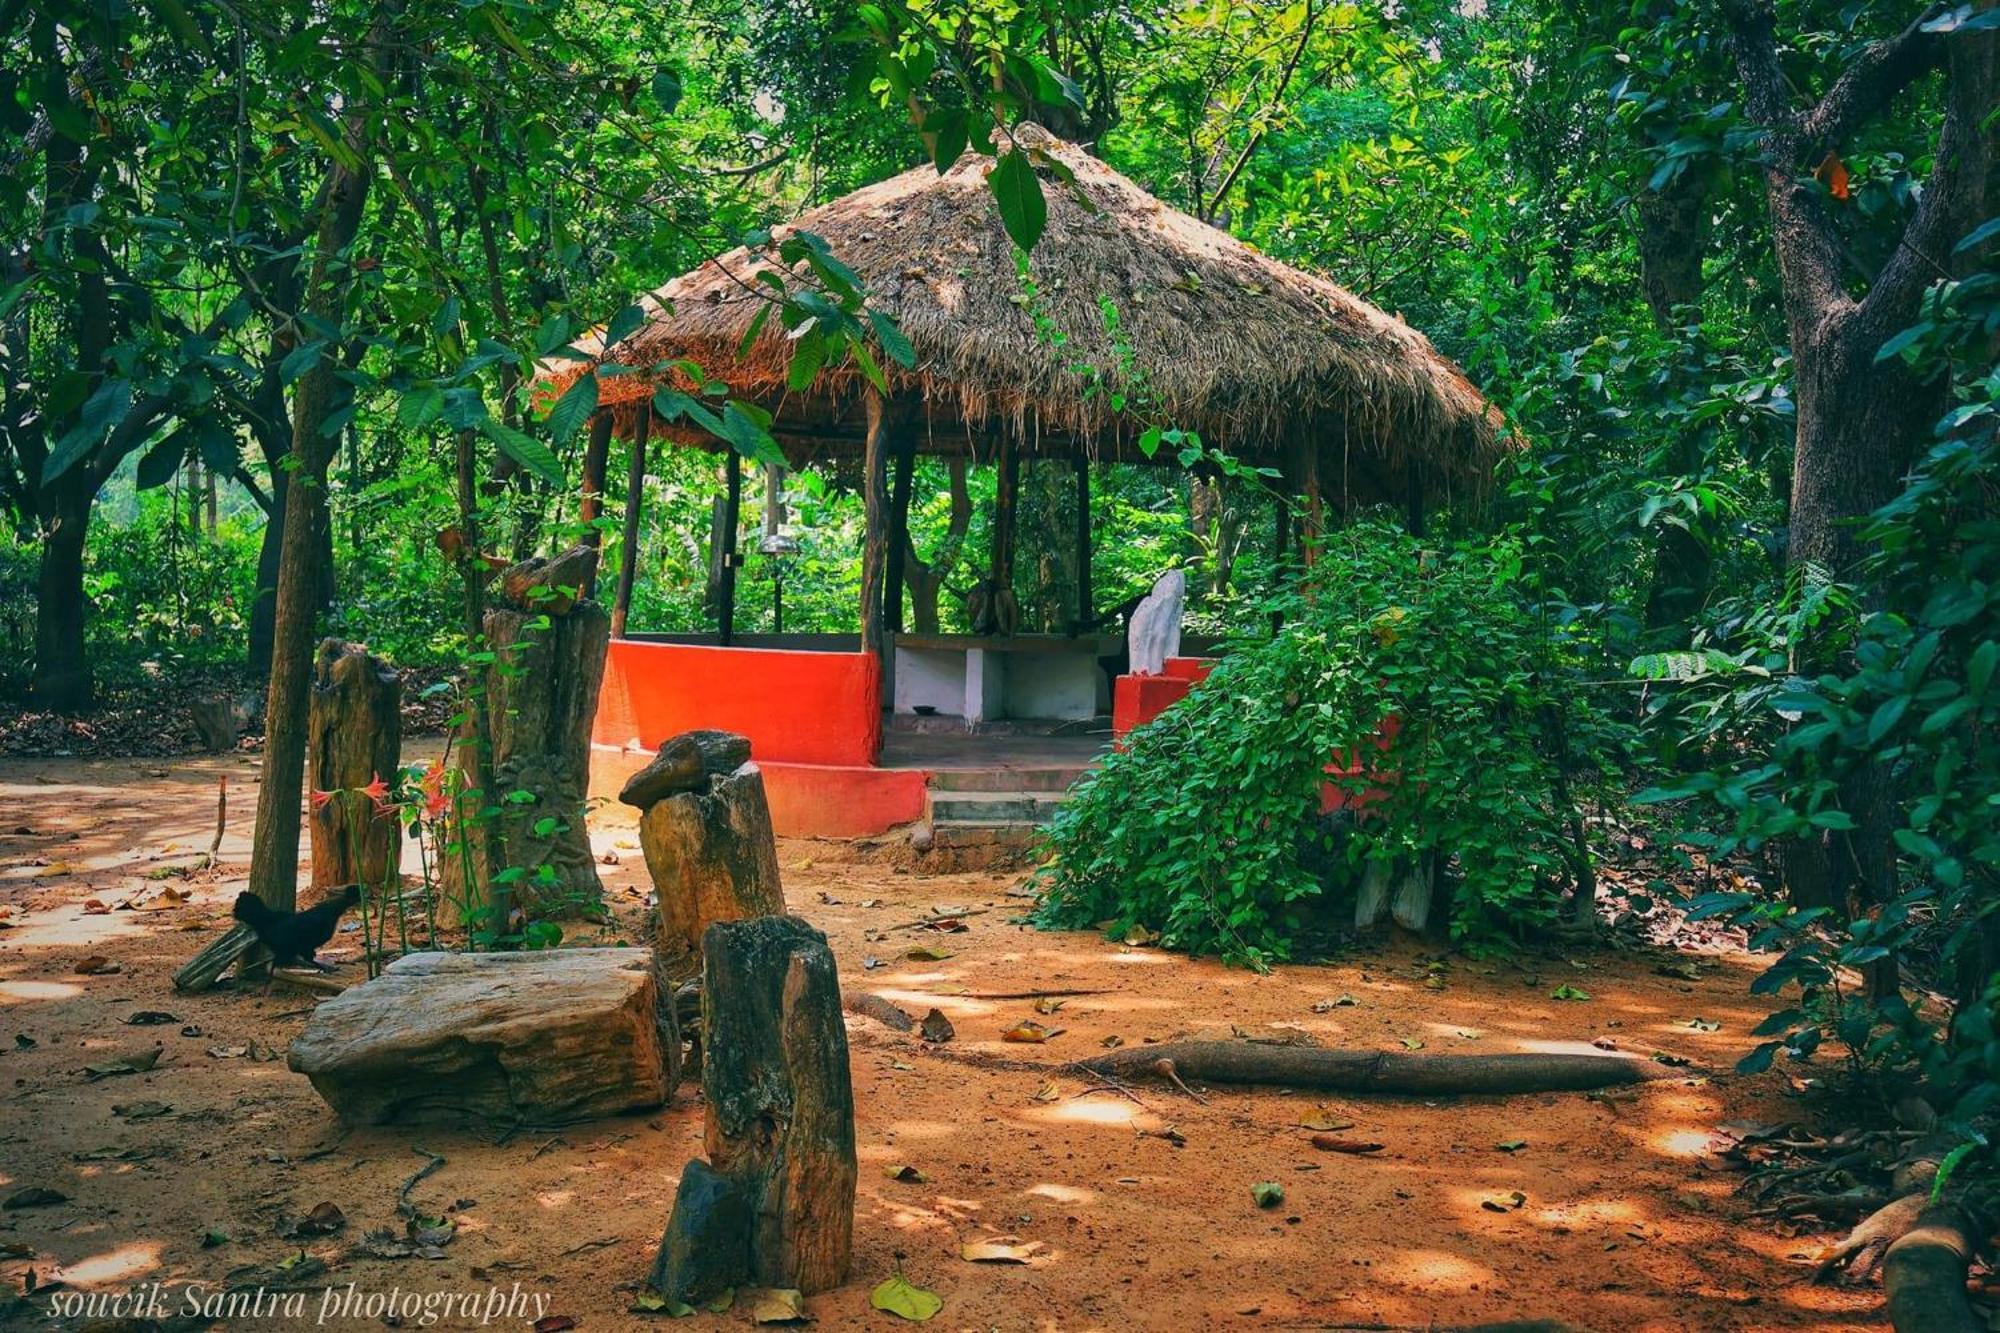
[(97, 965), (1048, 1093), (1506, 1204), (924, 953), (1321, 1120), (1048, 1004), (1006, 1251), (1031, 1031), (909, 1175), (936, 1027), (777, 1305), (1331, 1143)]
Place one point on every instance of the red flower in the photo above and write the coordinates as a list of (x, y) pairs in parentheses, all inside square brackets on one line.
[(378, 792), (432, 786), (319, 799)]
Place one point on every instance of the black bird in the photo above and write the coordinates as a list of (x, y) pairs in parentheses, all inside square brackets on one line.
[(293, 937)]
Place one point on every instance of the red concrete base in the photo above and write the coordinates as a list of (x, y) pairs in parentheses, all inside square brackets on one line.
[(807, 800), (1137, 700), (828, 801)]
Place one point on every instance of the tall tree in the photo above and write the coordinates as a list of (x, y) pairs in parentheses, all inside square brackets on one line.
[(1862, 417)]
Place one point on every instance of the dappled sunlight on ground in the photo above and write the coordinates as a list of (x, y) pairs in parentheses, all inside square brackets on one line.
[(1139, 1198)]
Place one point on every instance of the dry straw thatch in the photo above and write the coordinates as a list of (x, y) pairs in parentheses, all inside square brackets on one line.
[(1260, 358)]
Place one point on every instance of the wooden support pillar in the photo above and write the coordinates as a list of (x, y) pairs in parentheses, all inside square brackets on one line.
[(875, 538), (732, 513), (1315, 512), (596, 454), (1086, 606), (635, 495), (1281, 533), (1415, 498), (899, 532)]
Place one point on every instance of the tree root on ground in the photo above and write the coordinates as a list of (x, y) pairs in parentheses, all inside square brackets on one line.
[(1862, 1248), (1923, 1273)]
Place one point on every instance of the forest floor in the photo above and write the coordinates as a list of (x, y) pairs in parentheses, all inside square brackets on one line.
[(1609, 1213)]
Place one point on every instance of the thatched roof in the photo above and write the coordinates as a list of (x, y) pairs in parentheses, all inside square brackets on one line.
[(1259, 357)]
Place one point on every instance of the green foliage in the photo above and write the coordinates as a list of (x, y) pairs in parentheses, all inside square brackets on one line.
[(1419, 680)]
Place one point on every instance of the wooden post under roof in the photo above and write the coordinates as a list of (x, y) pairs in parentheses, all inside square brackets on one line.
[(1315, 512), (1086, 608), (635, 496), (899, 532), (732, 513), (595, 455), (875, 538)]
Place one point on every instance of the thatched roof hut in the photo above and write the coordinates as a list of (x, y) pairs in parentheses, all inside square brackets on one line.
[(1264, 360)]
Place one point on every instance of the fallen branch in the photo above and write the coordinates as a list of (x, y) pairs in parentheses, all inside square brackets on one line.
[(1923, 1274), (200, 972), (221, 820), (1377, 1071), (937, 917), (870, 1005)]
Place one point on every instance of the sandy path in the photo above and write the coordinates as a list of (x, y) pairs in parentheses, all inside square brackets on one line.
[(1626, 1223)]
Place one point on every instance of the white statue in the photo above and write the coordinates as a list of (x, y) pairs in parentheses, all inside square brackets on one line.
[(1154, 634)]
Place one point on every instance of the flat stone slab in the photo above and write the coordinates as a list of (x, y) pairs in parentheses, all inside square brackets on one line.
[(532, 1038)]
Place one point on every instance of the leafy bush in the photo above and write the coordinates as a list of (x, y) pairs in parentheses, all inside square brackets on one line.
[(1205, 827)]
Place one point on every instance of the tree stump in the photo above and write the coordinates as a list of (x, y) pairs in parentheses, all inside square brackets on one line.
[(548, 647), (706, 834), (354, 735), (537, 1038), (779, 1131)]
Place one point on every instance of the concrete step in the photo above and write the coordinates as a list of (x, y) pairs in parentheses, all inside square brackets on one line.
[(994, 807), (1051, 778), (985, 835)]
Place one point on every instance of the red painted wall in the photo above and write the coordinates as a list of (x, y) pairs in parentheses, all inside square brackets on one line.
[(796, 707)]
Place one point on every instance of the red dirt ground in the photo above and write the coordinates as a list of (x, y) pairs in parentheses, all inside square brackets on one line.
[(1629, 1220)]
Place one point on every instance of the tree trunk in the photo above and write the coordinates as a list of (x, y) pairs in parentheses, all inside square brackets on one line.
[(926, 581), (780, 1106), (354, 736), (1670, 253), (62, 669), (712, 857), (274, 855), (541, 698)]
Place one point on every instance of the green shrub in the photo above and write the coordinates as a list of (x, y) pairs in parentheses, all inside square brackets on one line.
[(1206, 826)]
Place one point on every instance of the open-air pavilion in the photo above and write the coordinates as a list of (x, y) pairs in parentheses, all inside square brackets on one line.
[(1283, 369)]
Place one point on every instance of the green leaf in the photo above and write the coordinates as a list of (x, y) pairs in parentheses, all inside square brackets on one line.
[(1894, 347), (893, 339), (623, 325), (419, 407), (871, 370), (948, 126), (573, 409), (300, 359), (1567, 992), (1023, 211), (157, 468), (529, 452), (1267, 1193), (101, 415), (808, 355), (899, 1296), (667, 89)]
